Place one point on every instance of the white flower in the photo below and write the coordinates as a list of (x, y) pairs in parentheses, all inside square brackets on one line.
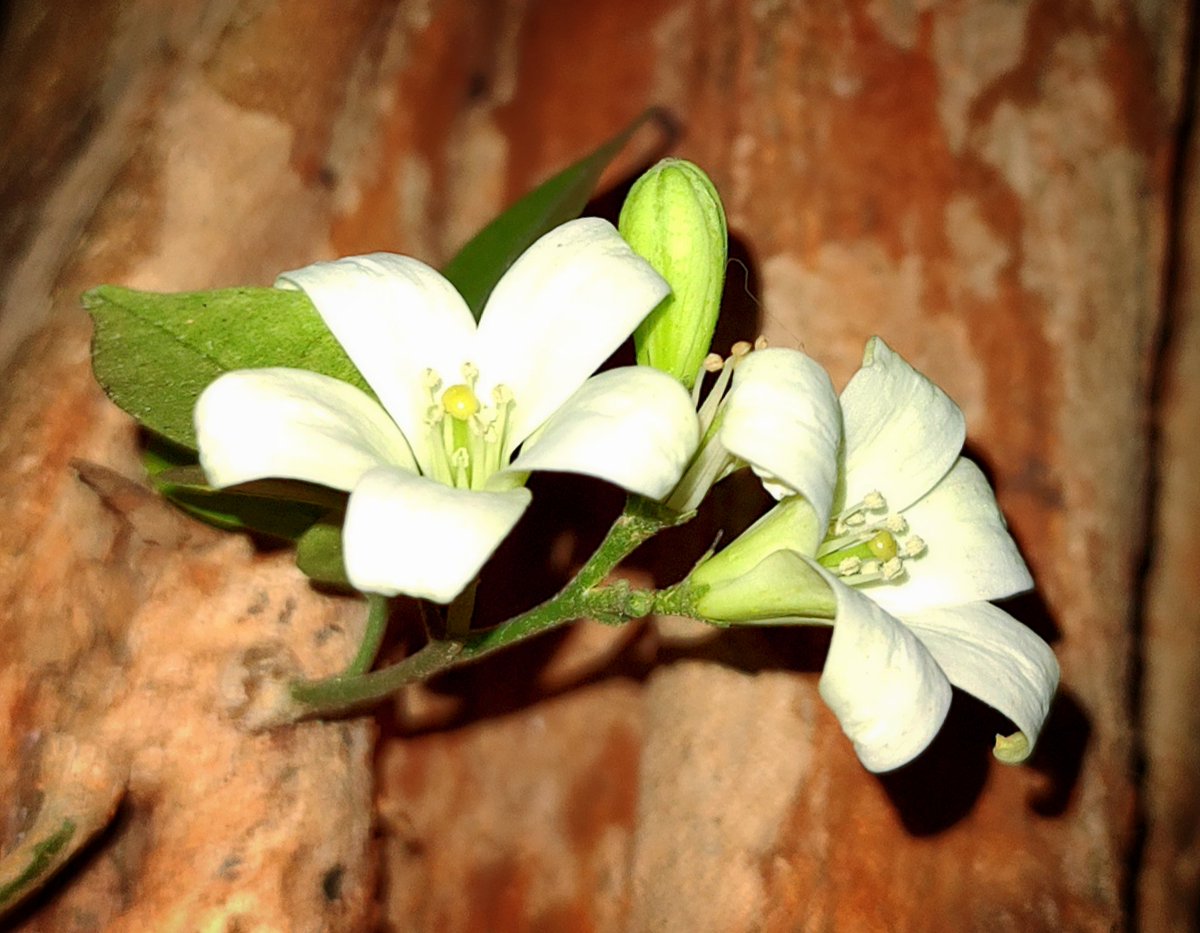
[(434, 486), (916, 549), (780, 417)]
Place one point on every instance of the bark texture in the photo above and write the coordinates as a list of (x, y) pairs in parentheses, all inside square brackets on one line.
[(988, 184)]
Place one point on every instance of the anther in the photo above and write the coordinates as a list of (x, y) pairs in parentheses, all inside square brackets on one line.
[(892, 568), (914, 546), (431, 380), (874, 500), (713, 363), (740, 349), (848, 566), (761, 343), (896, 524), (470, 372)]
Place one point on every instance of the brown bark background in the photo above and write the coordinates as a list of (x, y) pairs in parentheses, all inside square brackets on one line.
[(997, 187)]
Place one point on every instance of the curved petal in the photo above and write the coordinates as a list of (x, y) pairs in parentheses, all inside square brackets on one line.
[(882, 684), (558, 313), (782, 417), (408, 534), (395, 317), (969, 553), (293, 424), (902, 432), (992, 656), (634, 427)]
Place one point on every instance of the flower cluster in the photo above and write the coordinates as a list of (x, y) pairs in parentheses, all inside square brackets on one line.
[(882, 529)]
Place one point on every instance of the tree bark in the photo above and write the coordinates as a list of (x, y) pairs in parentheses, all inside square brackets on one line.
[(989, 185)]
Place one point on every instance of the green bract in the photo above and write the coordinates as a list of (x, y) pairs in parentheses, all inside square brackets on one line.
[(674, 218)]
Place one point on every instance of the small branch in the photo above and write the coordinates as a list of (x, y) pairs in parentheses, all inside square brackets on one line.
[(583, 597)]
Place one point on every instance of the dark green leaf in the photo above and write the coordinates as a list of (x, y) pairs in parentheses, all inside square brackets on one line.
[(279, 509), (154, 354), (486, 257)]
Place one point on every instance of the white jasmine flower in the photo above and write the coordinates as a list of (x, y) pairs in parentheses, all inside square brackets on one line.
[(434, 486), (913, 555)]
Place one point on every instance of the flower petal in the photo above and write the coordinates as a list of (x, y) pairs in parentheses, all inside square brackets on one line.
[(558, 313), (992, 656), (969, 553), (634, 427), (882, 684), (408, 534), (293, 424), (902, 432), (782, 417), (395, 317)]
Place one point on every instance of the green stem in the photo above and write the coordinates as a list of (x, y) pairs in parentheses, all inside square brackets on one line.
[(368, 649), (582, 597)]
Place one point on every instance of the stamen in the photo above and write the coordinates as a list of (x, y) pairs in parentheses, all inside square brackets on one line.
[(874, 501), (713, 363), (896, 524), (892, 568), (740, 349), (470, 373), (460, 460), (914, 546), (761, 343), (848, 566)]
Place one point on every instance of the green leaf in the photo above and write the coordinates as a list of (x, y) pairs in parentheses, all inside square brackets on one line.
[(319, 552), (478, 266), (279, 509), (154, 354)]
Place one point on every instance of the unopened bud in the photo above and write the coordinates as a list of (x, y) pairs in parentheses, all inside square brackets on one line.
[(674, 219)]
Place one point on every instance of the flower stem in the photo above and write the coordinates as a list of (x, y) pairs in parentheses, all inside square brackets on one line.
[(582, 597), (368, 649)]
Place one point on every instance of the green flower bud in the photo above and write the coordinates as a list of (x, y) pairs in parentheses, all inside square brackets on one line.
[(674, 219)]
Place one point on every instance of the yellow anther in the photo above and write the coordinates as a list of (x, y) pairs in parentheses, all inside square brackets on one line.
[(761, 342), (883, 546), (460, 402), (713, 363), (741, 348)]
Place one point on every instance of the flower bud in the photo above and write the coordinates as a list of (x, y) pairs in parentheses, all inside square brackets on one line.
[(673, 218)]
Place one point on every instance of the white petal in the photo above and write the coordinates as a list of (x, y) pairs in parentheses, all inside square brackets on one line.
[(885, 689), (634, 426), (902, 432), (558, 313), (409, 534), (992, 656), (293, 424), (969, 553), (395, 317), (783, 418)]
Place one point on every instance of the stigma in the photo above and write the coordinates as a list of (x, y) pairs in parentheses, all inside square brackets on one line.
[(466, 437)]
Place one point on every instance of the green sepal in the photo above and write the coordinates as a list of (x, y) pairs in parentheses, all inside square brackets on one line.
[(782, 588), (155, 353), (478, 266)]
